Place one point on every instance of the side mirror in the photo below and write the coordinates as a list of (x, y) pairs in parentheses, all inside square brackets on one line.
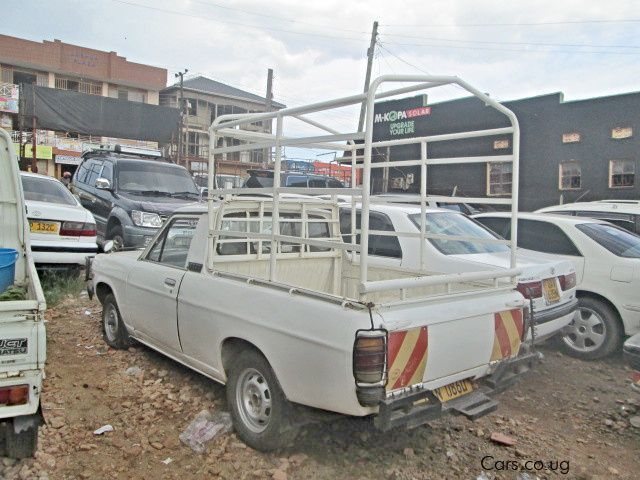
[(107, 246), (103, 184)]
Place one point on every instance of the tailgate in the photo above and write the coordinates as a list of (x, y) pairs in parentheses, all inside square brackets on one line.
[(22, 346), (457, 338)]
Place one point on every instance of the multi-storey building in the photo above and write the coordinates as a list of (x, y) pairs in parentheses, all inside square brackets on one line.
[(205, 99), (56, 64)]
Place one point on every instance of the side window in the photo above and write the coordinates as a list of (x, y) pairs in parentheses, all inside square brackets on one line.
[(171, 248), (297, 181), (332, 183), (82, 171), (622, 220), (107, 172), (383, 245), (317, 182), (545, 237), (569, 213), (93, 173), (497, 225)]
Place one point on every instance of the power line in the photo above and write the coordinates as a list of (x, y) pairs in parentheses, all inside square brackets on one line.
[(582, 45), (230, 22), (515, 24), (520, 50)]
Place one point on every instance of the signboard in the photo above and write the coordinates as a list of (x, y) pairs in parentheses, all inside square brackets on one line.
[(68, 160), (500, 144), (44, 152), (398, 117), (9, 96), (572, 137)]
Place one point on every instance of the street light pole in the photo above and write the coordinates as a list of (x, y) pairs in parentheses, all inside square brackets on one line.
[(181, 103)]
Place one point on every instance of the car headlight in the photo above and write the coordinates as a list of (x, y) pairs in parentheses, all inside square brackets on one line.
[(146, 219)]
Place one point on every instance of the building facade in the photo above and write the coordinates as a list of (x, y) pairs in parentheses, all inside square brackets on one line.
[(569, 151), (206, 99), (56, 64)]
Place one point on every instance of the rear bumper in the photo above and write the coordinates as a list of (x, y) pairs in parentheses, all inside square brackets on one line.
[(67, 253), (416, 407), (33, 378), (552, 320)]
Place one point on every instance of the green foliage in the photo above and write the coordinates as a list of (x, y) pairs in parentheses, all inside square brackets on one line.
[(13, 293), (57, 286)]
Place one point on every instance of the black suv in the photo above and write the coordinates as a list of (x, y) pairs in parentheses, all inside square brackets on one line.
[(264, 178), (131, 193)]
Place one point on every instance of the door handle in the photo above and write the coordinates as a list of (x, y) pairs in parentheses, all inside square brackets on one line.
[(169, 282)]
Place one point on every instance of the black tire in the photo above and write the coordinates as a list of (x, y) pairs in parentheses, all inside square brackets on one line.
[(251, 368), (113, 330), (596, 333), (116, 235), (20, 445)]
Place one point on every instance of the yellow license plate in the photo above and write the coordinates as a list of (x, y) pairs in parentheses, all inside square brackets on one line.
[(550, 290), (453, 390), (44, 227)]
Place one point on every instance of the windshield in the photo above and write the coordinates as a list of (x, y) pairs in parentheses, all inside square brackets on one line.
[(444, 223), (618, 241), (154, 177), (45, 190)]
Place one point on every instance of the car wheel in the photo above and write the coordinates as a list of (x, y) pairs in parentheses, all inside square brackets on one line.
[(595, 331), (117, 237), (114, 332), (259, 409), (20, 445)]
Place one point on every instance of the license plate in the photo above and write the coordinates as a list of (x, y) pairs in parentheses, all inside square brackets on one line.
[(550, 290), (44, 227), (453, 390)]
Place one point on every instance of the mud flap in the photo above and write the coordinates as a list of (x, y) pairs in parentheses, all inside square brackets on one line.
[(25, 422)]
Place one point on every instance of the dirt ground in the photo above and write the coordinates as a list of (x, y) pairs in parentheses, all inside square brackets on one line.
[(573, 416)]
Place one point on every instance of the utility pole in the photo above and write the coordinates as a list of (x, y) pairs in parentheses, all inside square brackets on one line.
[(367, 78), (34, 150), (268, 104), (182, 113)]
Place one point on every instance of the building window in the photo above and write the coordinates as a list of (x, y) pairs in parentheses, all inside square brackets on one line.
[(499, 178), (570, 176), (123, 94), (621, 132), (192, 107), (573, 137), (622, 173), (81, 86)]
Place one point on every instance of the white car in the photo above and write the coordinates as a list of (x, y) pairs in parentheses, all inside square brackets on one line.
[(624, 213), (547, 281), (63, 232), (607, 261)]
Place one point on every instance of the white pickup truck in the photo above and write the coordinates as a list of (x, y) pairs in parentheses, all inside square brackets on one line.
[(257, 291), (22, 330)]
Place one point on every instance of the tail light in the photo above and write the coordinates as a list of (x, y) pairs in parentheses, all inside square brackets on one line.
[(530, 290), (78, 229), (370, 356), (14, 395), (567, 282)]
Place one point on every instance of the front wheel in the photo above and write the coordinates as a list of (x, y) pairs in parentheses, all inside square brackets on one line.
[(114, 332), (117, 237), (260, 411), (595, 331)]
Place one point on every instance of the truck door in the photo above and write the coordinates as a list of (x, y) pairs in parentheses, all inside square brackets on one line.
[(154, 282)]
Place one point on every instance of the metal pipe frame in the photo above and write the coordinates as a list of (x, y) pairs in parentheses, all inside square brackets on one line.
[(225, 125)]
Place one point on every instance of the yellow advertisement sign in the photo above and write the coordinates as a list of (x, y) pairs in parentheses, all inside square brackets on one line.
[(43, 152)]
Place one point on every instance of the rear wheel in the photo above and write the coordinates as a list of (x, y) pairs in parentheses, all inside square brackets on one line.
[(260, 411), (114, 332), (20, 445), (595, 331)]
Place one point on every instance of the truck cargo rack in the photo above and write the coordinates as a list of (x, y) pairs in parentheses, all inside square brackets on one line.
[(358, 147)]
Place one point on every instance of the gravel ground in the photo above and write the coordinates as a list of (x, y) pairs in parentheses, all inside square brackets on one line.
[(574, 417)]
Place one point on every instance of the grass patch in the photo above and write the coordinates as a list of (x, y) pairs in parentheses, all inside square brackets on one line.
[(57, 286)]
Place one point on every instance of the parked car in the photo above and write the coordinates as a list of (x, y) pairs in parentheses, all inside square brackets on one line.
[(311, 337), (264, 178), (631, 352), (607, 262), (63, 232), (413, 199), (23, 342), (131, 193), (548, 282), (624, 213)]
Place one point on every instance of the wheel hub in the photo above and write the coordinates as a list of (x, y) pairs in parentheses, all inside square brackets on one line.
[(587, 331), (253, 398)]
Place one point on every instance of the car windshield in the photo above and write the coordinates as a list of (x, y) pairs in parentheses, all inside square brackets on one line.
[(618, 241), (141, 177), (46, 190), (444, 223)]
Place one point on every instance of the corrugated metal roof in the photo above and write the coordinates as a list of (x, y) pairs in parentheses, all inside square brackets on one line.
[(206, 85)]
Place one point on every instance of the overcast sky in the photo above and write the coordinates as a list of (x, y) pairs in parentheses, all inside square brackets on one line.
[(318, 49)]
